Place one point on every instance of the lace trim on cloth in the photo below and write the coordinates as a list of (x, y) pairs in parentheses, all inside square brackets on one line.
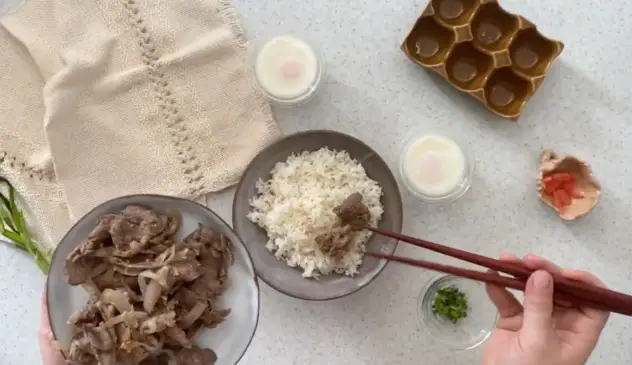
[(167, 102)]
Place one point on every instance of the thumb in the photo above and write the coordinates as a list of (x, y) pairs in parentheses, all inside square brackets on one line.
[(538, 305)]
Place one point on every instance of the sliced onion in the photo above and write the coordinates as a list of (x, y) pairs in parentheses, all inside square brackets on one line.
[(151, 296), (193, 315)]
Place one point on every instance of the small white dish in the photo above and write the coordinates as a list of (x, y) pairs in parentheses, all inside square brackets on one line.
[(229, 340)]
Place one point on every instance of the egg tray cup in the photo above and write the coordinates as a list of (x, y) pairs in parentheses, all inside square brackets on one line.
[(498, 57)]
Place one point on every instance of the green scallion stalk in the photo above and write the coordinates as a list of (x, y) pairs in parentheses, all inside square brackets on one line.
[(13, 226)]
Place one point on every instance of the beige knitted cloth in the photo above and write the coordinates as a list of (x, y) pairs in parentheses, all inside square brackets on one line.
[(126, 96)]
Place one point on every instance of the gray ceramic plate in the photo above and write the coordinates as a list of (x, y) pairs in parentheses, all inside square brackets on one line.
[(229, 340), (276, 273)]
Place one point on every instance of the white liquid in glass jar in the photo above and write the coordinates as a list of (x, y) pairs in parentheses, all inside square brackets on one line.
[(286, 67), (434, 165)]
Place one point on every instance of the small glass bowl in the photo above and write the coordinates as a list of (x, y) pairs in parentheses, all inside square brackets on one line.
[(453, 195), (467, 333), (288, 102)]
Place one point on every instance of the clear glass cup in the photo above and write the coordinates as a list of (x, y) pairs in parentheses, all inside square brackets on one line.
[(300, 99), (466, 180), (468, 332)]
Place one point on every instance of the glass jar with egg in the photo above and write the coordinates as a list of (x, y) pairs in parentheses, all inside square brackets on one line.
[(287, 70), (435, 167)]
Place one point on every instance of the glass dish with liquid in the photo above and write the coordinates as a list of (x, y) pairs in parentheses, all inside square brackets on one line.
[(287, 69), (435, 167), (468, 332)]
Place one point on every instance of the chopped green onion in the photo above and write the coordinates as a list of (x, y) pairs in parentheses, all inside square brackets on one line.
[(450, 303)]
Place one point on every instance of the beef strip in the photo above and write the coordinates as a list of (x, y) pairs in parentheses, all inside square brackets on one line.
[(335, 242), (353, 216), (188, 319), (124, 232), (171, 223), (102, 230), (148, 221), (162, 359), (353, 212), (194, 356), (186, 270), (176, 337), (112, 279), (82, 264), (213, 317), (179, 283)]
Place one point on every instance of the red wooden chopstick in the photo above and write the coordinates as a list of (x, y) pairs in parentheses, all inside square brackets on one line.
[(512, 283), (576, 292)]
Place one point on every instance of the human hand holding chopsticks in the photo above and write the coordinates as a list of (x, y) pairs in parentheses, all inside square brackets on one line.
[(540, 332), (572, 291)]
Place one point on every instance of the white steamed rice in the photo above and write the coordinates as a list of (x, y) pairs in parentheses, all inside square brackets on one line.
[(296, 205)]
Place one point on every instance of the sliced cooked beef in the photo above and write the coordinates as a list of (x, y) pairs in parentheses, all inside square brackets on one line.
[(108, 279), (209, 284), (146, 218), (171, 224), (123, 232), (194, 356), (134, 248), (111, 279), (353, 212), (186, 298), (353, 216), (189, 318), (150, 293), (335, 242), (201, 236), (212, 317), (102, 230), (81, 265), (176, 337), (174, 222), (186, 270), (216, 259), (162, 359)]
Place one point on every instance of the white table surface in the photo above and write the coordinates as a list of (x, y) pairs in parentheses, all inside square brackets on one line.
[(373, 92)]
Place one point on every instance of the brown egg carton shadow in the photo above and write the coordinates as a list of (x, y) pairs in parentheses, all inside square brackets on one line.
[(497, 57)]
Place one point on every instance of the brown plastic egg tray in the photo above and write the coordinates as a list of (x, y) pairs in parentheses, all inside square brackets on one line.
[(497, 57)]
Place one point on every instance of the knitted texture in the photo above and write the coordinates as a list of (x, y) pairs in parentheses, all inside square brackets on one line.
[(107, 98)]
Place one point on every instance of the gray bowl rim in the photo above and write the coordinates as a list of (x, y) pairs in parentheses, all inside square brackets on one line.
[(240, 186), (166, 197)]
